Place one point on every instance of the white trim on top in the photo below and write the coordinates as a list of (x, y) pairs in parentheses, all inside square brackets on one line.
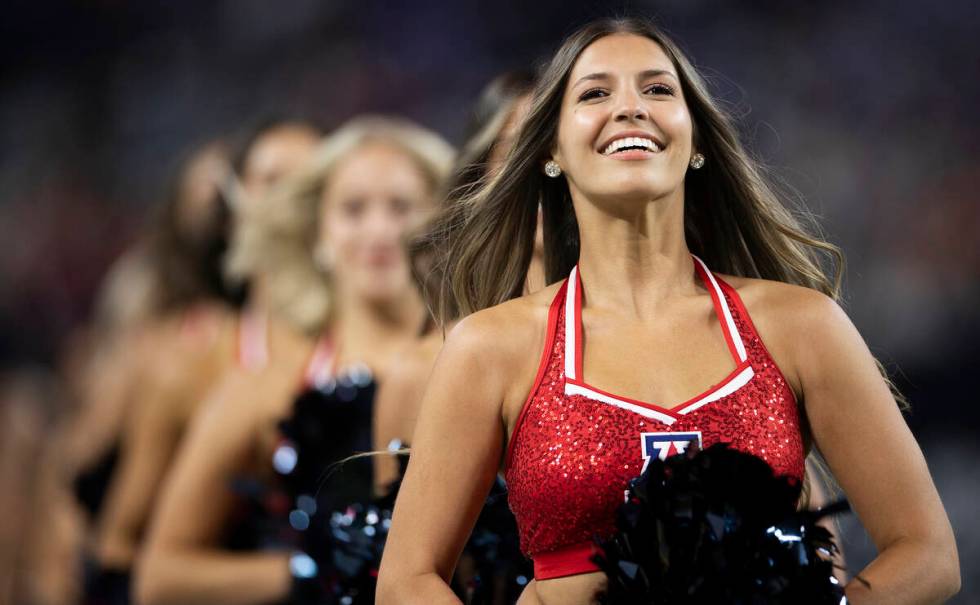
[(739, 381), (733, 385), (570, 292), (727, 312), (574, 389)]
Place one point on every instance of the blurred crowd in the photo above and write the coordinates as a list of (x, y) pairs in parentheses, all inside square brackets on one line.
[(167, 169)]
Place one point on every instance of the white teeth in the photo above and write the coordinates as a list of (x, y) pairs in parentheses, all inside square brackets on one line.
[(618, 144)]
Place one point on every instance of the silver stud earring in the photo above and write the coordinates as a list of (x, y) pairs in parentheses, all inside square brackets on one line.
[(552, 169), (697, 161)]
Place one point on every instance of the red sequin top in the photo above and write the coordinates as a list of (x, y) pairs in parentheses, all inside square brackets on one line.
[(575, 447)]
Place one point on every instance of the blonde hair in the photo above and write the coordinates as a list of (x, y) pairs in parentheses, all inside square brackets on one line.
[(277, 235), (128, 293)]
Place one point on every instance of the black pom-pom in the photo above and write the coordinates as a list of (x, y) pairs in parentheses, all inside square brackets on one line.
[(329, 423), (318, 476), (717, 526)]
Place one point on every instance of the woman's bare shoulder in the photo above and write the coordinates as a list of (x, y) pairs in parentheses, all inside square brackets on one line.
[(790, 305), (285, 338), (506, 329), (400, 392), (259, 397), (784, 315), (236, 396), (411, 365), (183, 350), (502, 343), (530, 308)]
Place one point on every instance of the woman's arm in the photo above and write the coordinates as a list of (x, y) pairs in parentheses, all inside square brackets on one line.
[(182, 562), (111, 378), (455, 455), (396, 406), (819, 498), (860, 431), (149, 439), (175, 379)]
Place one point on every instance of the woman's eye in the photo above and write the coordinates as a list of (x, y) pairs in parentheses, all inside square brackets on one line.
[(353, 208), (592, 93), (661, 89), (401, 206)]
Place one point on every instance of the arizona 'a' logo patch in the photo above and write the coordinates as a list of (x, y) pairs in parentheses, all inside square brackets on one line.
[(663, 445)]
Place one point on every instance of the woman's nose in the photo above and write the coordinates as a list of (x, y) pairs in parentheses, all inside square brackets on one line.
[(631, 107)]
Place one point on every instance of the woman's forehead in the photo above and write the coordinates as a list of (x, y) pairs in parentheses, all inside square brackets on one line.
[(617, 54), (377, 165)]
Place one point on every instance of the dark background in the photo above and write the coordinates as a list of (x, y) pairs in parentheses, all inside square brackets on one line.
[(869, 111)]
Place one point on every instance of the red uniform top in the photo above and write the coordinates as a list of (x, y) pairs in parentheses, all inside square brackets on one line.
[(575, 447)]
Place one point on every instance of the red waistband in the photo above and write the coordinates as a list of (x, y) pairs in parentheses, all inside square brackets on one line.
[(568, 561)]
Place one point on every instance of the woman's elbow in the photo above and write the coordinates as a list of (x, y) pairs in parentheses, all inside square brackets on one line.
[(400, 586), (149, 587), (946, 568), (386, 592), (954, 585), (953, 580)]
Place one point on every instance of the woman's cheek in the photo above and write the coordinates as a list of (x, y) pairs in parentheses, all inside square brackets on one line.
[(585, 124), (679, 122)]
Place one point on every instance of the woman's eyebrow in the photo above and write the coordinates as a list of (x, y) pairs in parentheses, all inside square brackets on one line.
[(649, 73), (596, 76)]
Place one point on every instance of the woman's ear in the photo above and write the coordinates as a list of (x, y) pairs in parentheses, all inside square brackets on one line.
[(552, 164), (556, 155)]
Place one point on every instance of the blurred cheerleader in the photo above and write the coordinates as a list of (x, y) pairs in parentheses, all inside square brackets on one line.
[(638, 171), (344, 314), (174, 313), (497, 117), (198, 340), (492, 568), (101, 368), (272, 151)]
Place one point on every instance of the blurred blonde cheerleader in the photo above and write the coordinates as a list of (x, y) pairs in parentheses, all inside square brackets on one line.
[(330, 244)]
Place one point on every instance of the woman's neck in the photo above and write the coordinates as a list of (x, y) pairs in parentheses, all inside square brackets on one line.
[(535, 275), (258, 293), (368, 331), (631, 264)]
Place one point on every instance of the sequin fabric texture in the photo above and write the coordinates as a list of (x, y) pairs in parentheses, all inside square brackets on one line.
[(573, 455)]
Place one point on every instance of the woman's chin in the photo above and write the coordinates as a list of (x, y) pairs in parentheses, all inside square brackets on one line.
[(632, 187), (628, 198), (383, 291)]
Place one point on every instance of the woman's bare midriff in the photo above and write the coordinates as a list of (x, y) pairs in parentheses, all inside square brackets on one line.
[(582, 589)]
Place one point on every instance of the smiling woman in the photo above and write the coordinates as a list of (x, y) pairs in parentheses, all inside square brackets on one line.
[(681, 261)]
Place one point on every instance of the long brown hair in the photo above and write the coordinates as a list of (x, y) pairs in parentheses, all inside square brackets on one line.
[(734, 217), (186, 265), (494, 107)]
